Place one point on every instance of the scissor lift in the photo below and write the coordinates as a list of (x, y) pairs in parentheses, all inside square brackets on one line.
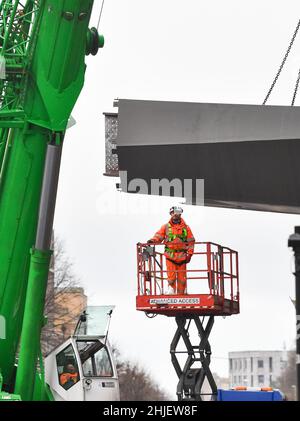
[(212, 290)]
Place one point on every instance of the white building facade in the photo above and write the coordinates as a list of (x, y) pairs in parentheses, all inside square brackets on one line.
[(256, 368)]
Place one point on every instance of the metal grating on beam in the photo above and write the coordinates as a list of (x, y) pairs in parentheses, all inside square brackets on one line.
[(111, 133)]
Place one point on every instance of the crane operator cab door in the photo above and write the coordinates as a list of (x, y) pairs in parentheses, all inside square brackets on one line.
[(83, 368), (63, 373), (100, 380)]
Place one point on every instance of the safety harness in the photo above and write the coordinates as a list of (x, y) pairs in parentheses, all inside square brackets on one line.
[(171, 237)]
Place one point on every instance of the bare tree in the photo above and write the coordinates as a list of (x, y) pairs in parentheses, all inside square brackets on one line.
[(135, 383), (287, 381), (63, 303)]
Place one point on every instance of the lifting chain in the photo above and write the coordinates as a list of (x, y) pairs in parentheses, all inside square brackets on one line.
[(100, 15), (296, 88), (281, 67)]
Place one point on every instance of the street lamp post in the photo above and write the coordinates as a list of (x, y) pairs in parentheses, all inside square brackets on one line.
[(294, 242)]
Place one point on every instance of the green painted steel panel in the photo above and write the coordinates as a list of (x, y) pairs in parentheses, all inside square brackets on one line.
[(33, 323), (19, 204)]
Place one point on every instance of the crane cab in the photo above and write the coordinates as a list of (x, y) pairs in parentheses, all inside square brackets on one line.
[(83, 367)]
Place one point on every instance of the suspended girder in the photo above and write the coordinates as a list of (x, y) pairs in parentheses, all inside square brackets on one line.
[(246, 155)]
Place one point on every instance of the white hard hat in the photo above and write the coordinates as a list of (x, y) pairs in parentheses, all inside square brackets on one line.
[(176, 209)]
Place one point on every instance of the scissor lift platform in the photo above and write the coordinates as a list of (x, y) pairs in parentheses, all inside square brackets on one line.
[(201, 304), (212, 282), (212, 290)]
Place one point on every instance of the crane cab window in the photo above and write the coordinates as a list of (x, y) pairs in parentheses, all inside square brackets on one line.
[(95, 359), (67, 368)]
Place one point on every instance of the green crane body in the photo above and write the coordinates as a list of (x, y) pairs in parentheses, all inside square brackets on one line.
[(42, 50)]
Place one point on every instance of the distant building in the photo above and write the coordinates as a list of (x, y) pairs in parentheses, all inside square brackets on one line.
[(70, 303), (256, 368)]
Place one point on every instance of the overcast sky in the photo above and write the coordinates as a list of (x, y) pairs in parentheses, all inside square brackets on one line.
[(197, 51)]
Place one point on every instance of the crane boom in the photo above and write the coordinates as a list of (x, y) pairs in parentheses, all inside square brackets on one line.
[(42, 49)]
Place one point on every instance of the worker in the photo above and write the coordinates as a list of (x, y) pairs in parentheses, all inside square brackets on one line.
[(69, 377), (179, 248)]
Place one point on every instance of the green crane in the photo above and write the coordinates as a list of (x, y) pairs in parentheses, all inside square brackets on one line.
[(43, 44)]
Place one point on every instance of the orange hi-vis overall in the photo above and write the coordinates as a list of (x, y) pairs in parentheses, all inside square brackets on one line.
[(66, 377), (179, 241)]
